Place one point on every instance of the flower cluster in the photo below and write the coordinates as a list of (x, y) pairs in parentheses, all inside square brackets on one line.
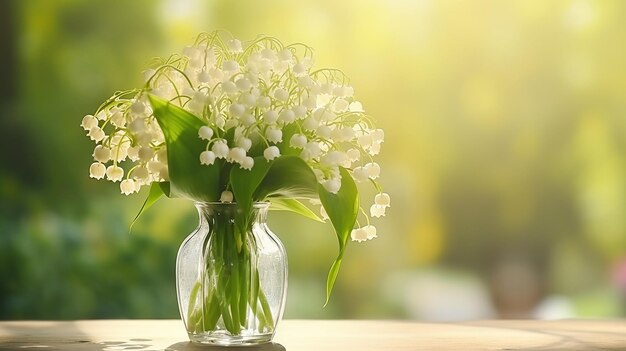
[(268, 93)]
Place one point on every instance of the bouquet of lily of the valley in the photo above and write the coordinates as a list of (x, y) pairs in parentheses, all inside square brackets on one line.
[(244, 123)]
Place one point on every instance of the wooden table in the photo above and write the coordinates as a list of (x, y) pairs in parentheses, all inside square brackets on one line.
[(300, 335)]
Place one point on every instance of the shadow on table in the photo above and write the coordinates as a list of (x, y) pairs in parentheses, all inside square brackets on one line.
[(24, 337), (187, 346)]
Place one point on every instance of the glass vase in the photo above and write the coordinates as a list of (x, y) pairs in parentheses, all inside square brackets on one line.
[(231, 276)]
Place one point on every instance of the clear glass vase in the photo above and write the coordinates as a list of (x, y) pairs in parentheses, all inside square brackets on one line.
[(231, 276)]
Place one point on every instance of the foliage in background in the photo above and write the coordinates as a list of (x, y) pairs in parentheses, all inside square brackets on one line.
[(509, 162)]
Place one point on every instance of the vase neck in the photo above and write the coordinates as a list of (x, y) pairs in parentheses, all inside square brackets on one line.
[(211, 211)]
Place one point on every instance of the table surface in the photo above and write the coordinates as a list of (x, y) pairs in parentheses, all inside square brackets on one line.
[(296, 335)]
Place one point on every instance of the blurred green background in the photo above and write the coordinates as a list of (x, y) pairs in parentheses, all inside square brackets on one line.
[(505, 156)]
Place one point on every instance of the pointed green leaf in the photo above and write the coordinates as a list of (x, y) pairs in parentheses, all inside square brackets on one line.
[(289, 176), (342, 209), (188, 178), (245, 182), (288, 131), (293, 205), (156, 191)]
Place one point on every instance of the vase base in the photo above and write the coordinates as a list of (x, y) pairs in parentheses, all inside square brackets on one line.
[(224, 339)]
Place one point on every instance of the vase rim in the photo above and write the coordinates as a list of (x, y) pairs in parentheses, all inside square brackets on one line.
[(256, 204)]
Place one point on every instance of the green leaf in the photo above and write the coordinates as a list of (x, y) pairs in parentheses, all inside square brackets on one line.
[(289, 176), (188, 178), (342, 209), (293, 205), (156, 191), (245, 182), (288, 131)]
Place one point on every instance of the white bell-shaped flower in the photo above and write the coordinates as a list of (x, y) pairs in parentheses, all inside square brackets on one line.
[(332, 185), (358, 234), (382, 199), (237, 109), (353, 154), (243, 84), (141, 174), (340, 105), (378, 136), (227, 196), (365, 140), (203, 77), (310, 123), (207, 157), (372, 169), (145, 153), (89, 122), (247, 119), (230, 66), (371, 232), (244, 143), (96, 134), (236, 154), (133, 153), (274, 135), (97, 170), (234, 46), (102, 154), (281, 94), (356, 106), (313, 148), (374, 149), (298, 141), (229, 87), (114, 173), (205, 133), (271, 153), (360, 174), (270, 116), (263, 102), (377, 210), (287, 116), (220, 149), (247, 163), (128, 186), (299, 111)]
